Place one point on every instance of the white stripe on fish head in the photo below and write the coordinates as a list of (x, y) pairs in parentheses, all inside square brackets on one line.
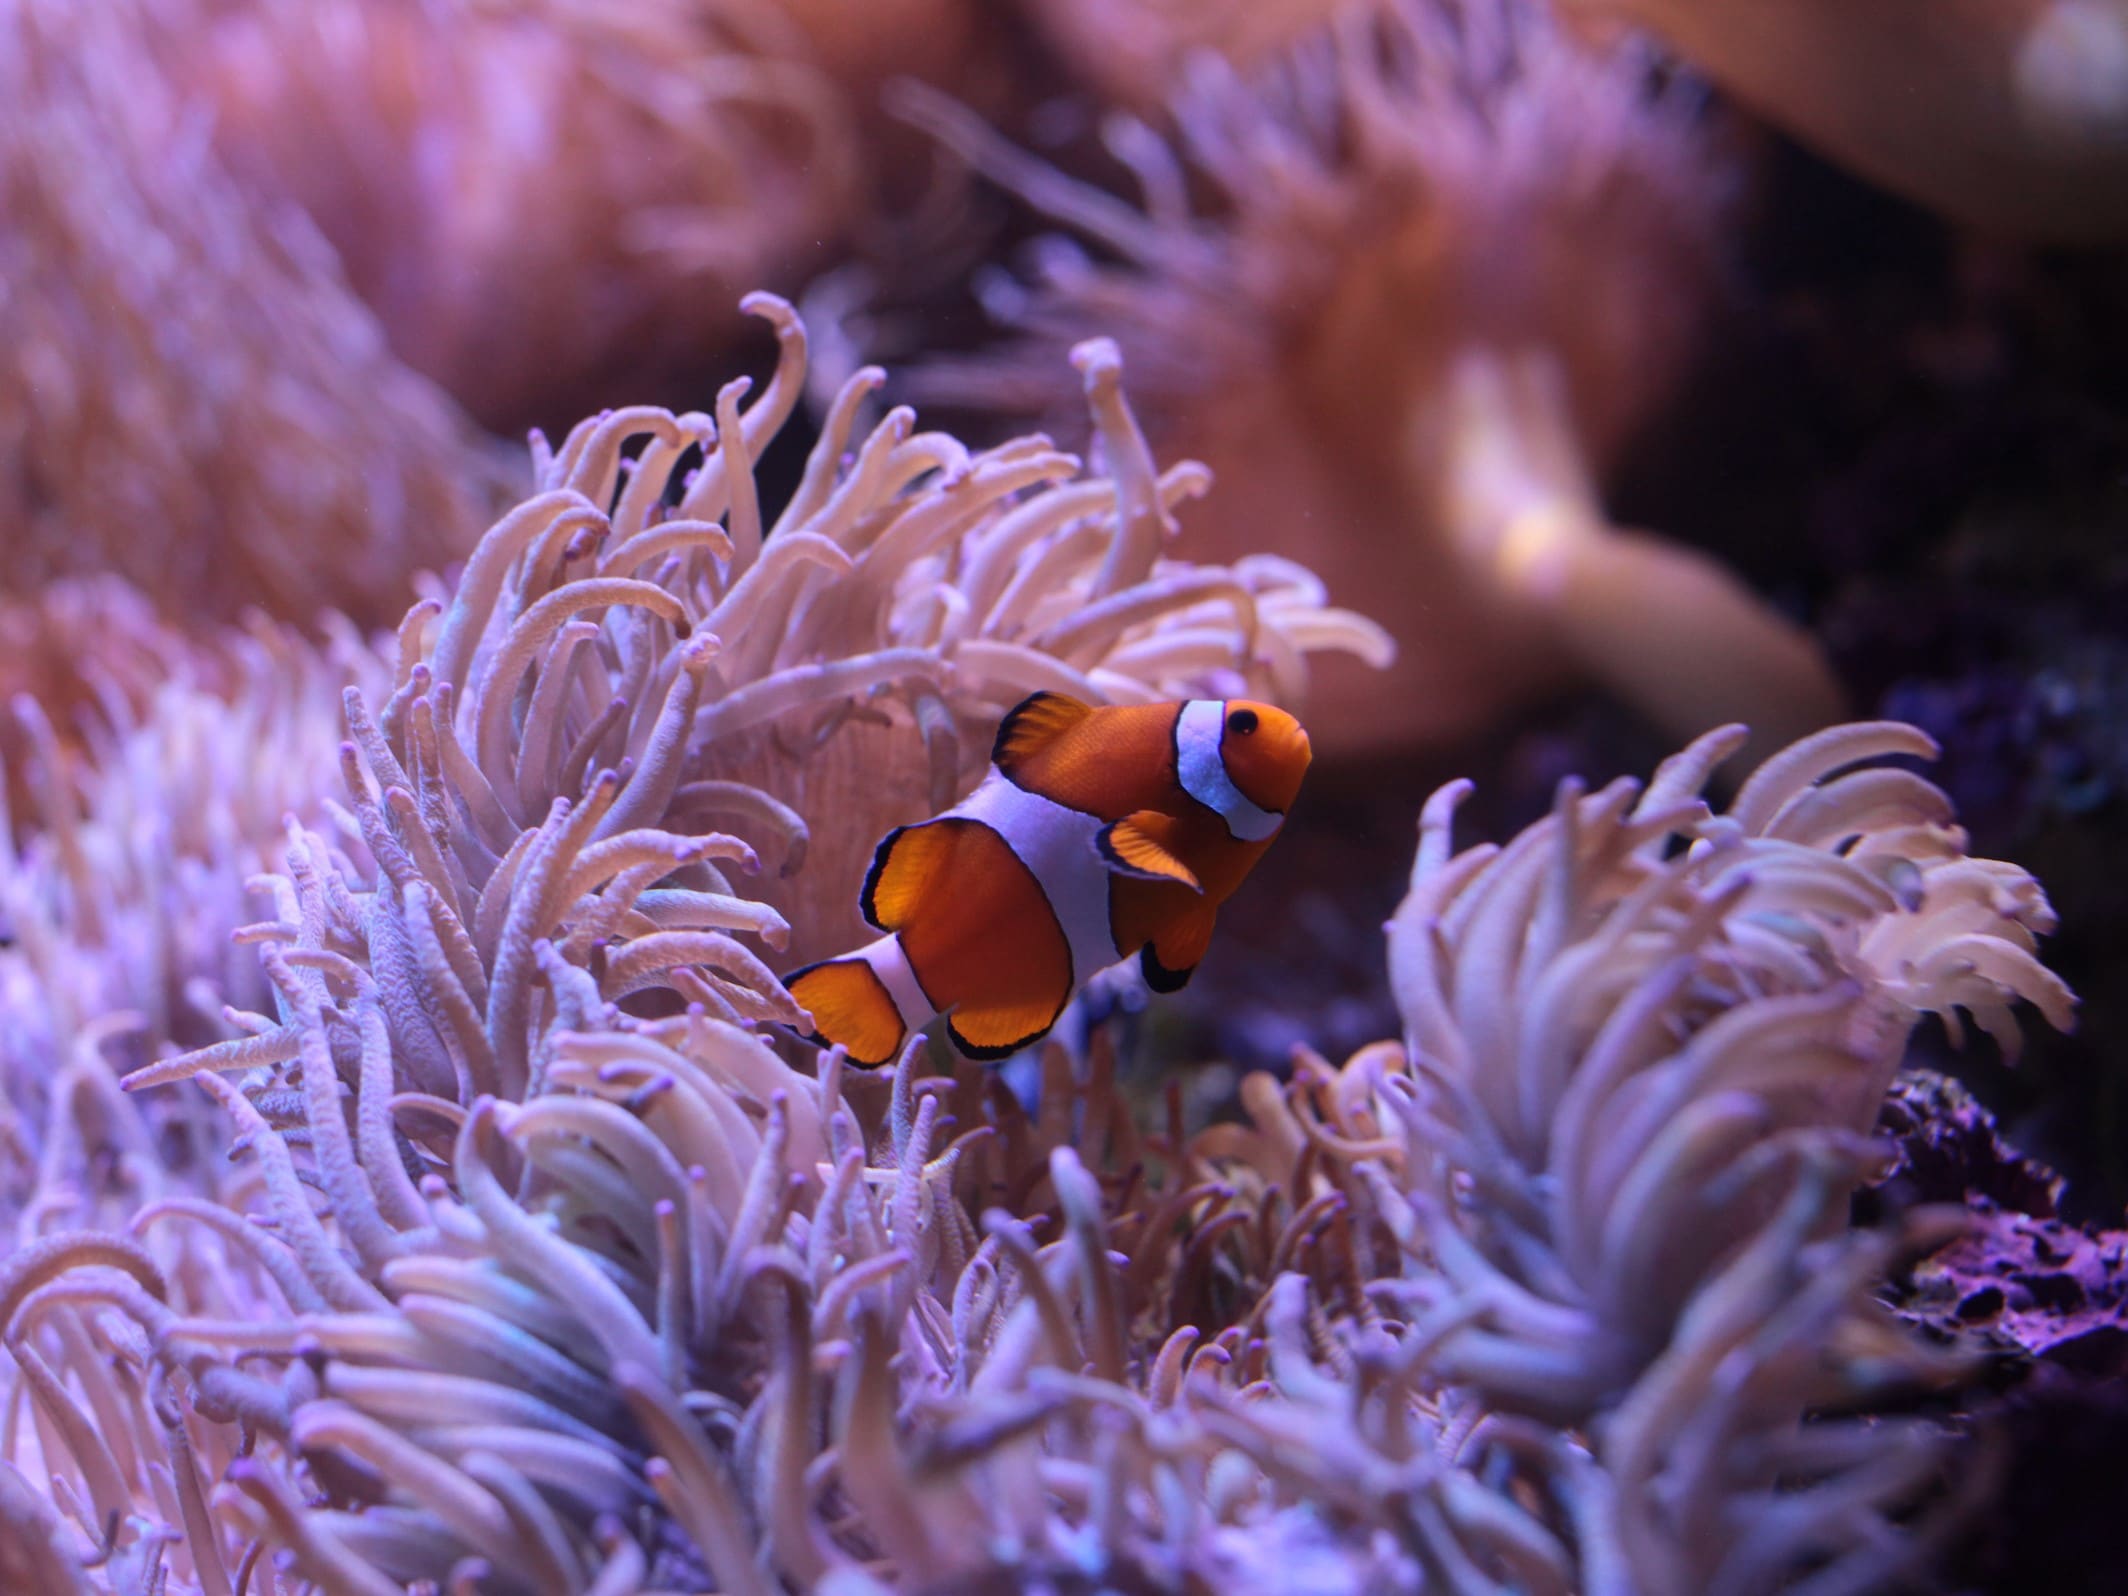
[(1201, 764)]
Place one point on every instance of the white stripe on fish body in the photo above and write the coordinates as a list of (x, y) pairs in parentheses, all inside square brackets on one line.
[(898, 976), (1059, 845), (1202, 768)]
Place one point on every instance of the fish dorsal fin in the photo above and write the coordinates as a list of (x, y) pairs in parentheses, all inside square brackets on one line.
[(1137, 846), (909, 864), (1032, 725)]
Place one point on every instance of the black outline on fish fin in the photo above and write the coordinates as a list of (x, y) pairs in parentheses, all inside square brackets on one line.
[(1058, 712), (1105, 841)]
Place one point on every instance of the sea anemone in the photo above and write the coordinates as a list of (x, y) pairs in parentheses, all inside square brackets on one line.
[(2009, 115), (1410, 291), (192, 397), (506, 1031), (1644, 1049), (1129, 52), (125, 874), (872, 632), (540, 202), (1541, 1296)]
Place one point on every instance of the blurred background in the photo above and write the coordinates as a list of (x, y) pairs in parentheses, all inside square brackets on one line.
[(1639, 364)]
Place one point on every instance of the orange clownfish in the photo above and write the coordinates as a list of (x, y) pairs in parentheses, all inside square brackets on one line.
[(1098, 834)]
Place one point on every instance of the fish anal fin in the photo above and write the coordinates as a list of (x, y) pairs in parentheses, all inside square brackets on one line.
[(909, 864), (1000, 1030), (1141, 845), (1032, 725), (1171, 958), (851, 1009)]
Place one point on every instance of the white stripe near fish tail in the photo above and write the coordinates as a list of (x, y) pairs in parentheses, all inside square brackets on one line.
[(868, 1002), (892, 966)]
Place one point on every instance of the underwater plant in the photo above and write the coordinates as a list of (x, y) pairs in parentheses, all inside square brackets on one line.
[(1409, 290), (2007, 115), (192, 398)]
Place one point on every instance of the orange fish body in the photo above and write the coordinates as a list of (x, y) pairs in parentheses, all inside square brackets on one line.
[(1099, 835)]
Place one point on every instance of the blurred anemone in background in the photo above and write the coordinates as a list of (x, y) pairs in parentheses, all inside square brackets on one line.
[(1410, 291), (193, 398), (1128, 52), (2008, 115), (539, 202)]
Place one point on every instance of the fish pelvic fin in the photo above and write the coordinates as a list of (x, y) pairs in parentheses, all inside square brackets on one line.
[(851, 1008), (1140, 845)]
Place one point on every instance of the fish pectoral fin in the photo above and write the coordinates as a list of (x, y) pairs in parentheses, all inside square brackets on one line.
[(1000, 1030), (1136, 846), (851, 1009), (1032, 725), (909, 863), (1171, 957)]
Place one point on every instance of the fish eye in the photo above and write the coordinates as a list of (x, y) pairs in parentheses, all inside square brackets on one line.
[(1242, 722)]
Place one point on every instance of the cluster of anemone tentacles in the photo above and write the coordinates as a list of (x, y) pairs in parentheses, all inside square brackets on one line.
[(537, 1267)]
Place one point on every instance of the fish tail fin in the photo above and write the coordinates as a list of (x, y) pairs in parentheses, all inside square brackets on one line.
[(851, 1008), (1002, 1029)]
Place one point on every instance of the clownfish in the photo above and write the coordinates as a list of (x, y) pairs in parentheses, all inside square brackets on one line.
[(1098, 835)]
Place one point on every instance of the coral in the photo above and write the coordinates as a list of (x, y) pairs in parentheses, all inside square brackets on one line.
[(1947, 1148), (192, 397), (2036, 1287), (1409, 291), (2010, 115), (2024, 1281)]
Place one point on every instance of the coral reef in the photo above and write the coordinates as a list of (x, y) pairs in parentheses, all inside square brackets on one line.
[(1409, 290)]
